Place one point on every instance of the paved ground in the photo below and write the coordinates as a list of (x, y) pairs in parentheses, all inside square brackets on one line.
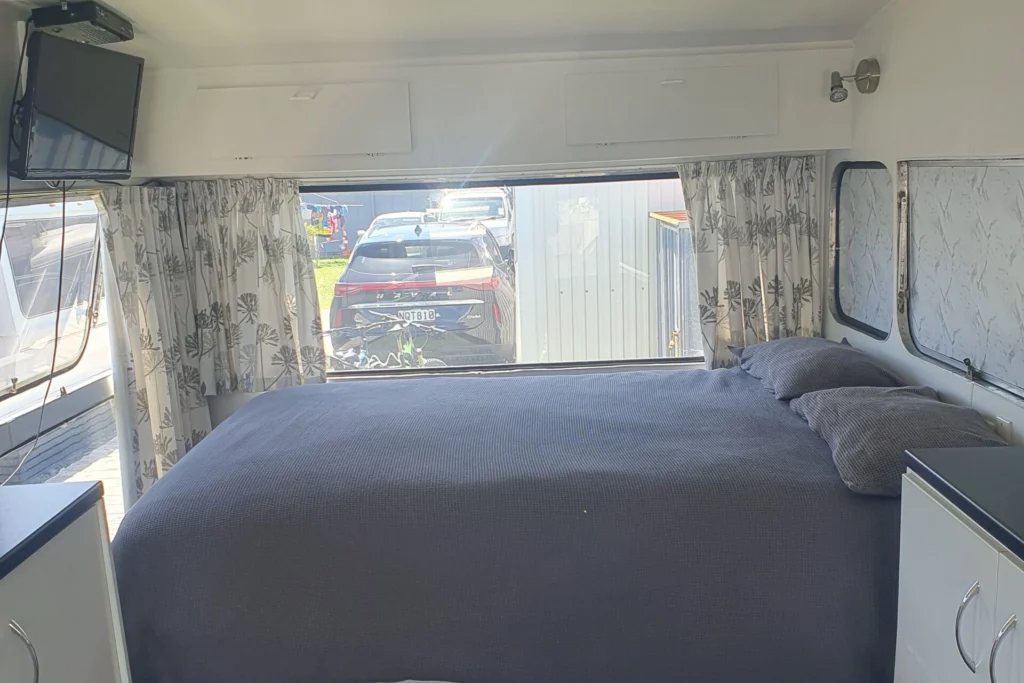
[(102, 464)]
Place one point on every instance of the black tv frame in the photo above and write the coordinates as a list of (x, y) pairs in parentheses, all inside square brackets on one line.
[(17, 167)]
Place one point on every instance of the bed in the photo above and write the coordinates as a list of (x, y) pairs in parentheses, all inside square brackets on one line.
[(668, 525)]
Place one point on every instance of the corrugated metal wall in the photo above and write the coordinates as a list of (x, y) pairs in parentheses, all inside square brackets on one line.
[(588, 270), (679, 334)]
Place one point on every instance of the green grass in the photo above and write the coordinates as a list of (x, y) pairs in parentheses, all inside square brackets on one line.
[(327, 273)]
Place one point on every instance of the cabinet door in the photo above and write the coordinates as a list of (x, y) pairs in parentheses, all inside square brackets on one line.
[(1007, 662), (941, 558), (62, 599)]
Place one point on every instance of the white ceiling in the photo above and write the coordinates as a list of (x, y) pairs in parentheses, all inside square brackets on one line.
[(210, 32)]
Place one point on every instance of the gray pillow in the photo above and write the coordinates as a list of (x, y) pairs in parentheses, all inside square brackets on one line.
[(793, 366), (869, 428)]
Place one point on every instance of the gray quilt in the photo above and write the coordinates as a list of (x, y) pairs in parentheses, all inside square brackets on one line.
[(678, 526)]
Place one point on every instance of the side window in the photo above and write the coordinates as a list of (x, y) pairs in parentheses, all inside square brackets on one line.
[(862, 241), (962, 266), (493, 249), (33, 289)]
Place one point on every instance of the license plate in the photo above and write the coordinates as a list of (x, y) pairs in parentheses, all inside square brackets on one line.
[(419, 315)]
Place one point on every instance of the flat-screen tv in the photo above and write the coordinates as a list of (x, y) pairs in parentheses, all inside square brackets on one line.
[(77, 118)]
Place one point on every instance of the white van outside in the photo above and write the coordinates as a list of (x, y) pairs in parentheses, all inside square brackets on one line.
[(491, 206)]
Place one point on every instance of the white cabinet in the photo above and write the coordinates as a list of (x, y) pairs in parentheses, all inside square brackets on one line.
[(1007, 655), (941, 559), (58, 606), (679, 104)]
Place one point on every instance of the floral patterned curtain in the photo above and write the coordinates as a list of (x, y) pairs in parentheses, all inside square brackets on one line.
[(755, 234), (160, 392), (216, 295), (257, 314)]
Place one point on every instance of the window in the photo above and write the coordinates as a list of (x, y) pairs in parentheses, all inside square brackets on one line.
[(965, 283), (862, 239), (32, 291), (532, 273), (387, 222), (472, 208)]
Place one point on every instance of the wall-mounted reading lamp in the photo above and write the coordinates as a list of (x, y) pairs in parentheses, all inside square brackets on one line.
[(868, 74)]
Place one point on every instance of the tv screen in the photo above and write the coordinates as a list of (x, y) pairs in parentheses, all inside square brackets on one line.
[(79, 111)]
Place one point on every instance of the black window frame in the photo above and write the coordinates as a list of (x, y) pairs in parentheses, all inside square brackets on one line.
[(835, 301)]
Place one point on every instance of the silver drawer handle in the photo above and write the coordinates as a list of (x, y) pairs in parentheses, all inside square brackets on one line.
[(1007, 627), (20, 632), (974, 590)]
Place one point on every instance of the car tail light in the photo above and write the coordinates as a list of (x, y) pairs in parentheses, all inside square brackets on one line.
[(341, 289), (497, 313)]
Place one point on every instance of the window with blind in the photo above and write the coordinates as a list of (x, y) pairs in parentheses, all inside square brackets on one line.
[(965, 266), (862, 240)]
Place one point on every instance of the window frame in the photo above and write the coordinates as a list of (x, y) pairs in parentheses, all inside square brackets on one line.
[(21, 304), (482, 181), (564, 367), (903, 298), (835, 260), (30, 200)]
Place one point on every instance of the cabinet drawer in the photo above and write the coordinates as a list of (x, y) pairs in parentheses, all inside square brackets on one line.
[(61, 597), (941, 558)]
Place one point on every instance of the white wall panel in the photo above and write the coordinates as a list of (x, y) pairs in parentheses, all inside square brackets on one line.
[(287, 120), (587, 269), (672, 104)]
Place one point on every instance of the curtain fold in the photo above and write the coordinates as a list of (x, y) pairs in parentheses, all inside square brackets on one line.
[(157, 386), (215, 295), (257, 313), (756, 242)]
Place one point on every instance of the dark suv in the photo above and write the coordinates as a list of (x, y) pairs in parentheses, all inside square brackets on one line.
[(448, 279)]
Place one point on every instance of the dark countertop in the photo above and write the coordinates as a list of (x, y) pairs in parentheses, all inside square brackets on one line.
[(32, 514), (986, 484)]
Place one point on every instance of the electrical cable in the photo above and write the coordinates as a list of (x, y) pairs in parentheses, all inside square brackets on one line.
[(10, 134), (56, 333)]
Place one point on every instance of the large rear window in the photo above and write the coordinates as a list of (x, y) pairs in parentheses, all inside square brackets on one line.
[(392, 222), (584, 272), (407, 257)]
